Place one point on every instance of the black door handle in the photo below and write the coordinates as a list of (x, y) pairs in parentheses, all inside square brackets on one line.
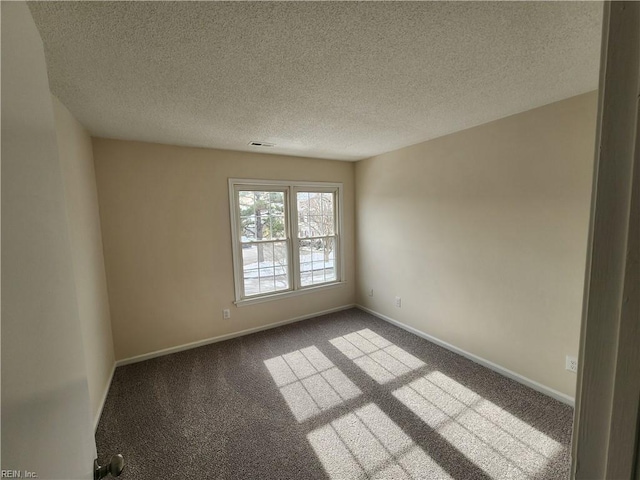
[(114, 467)]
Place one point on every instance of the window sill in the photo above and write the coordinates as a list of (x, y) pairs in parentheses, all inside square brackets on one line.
[(291, 293)]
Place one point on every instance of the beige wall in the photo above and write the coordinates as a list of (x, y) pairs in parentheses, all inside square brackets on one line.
[(76, 159), (167, 241), (46, 424), (483, 235)]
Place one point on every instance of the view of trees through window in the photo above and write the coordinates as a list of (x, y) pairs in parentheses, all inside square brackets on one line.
[(316, 231), (264, 239), (264, 248)]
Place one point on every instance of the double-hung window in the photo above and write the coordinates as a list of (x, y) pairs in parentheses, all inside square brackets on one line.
[(286, 237)]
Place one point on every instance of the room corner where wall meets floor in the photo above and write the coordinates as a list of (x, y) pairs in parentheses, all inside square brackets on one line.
[(484, 237), (166, 230), (566, 399), (344, 395)]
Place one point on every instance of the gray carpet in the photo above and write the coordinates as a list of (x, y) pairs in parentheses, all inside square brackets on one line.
[(340, 396)]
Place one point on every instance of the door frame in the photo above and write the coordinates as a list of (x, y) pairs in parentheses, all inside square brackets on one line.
[(608, 390)]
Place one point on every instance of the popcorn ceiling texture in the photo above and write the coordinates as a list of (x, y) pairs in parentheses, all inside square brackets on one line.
[(340, 80)]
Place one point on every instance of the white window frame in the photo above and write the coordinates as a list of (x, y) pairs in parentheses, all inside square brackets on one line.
[(290, 188)]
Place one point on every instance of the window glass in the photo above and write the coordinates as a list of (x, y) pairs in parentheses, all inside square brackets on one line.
[(316, 229), (264, 253), (265, 257)]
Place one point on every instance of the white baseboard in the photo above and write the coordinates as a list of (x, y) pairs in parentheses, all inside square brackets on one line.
[(486, 363), (96, 420), (228, 336)]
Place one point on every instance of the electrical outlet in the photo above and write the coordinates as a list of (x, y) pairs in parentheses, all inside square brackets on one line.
[(398, 302), (226, 314), (571, 364), (371, 292)]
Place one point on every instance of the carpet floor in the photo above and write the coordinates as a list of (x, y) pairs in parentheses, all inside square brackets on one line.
[(341, 396)]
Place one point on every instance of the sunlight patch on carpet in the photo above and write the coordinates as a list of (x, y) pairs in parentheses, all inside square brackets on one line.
[(366, 443), (501, 444), (309, 382), (376, 356)]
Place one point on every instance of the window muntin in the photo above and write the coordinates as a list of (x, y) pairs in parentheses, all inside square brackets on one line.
[(286, 237)]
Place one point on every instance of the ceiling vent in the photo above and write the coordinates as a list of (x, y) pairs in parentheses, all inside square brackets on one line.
[(262, 144)]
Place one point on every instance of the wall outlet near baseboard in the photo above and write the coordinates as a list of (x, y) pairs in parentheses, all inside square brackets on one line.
[(571, 364), (370, 292), (398, 302), (226, 314)]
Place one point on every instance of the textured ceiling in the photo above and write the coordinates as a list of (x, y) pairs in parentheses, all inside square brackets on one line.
[(342, 80)]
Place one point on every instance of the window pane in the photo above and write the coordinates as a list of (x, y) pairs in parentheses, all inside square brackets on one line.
[(328, 216), (249, 257), (317, 261), (251, 282), (248, 228), (282, 282), (267, 280), (329, 260), (280, 258), (306, 277), (306, 265), (262, 215), (246, 201), (265, 268), (328, 224), (315, 226), (303, 214), (315, 214), (276, 227)]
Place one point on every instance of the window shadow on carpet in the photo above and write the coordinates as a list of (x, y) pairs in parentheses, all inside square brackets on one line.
[(366, 442), (341, 396)]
